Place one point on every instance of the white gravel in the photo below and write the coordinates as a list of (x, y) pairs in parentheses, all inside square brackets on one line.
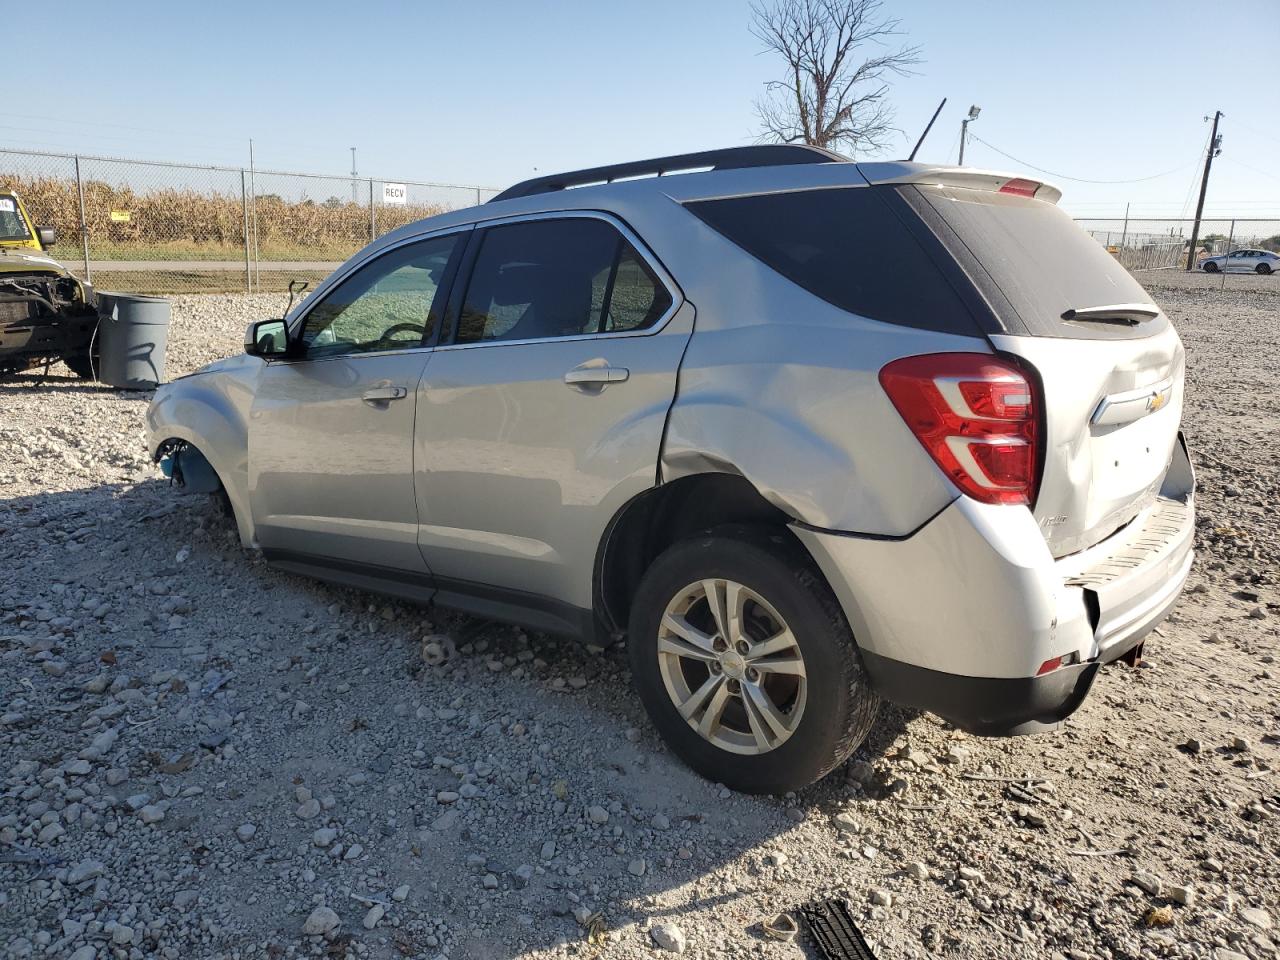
[(203, 757)]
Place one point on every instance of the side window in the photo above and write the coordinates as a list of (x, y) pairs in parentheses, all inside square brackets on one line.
[(385, 305), (557, 278), (852, 248), (637, 299)]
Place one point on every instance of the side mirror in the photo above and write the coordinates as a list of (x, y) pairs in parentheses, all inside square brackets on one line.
[(267, 339), (47, 236)]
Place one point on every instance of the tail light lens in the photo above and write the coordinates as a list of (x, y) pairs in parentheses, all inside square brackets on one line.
[(1021, 188), (976, 415)]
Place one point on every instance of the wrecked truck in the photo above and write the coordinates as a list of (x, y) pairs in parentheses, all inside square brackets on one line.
[(46, 313)]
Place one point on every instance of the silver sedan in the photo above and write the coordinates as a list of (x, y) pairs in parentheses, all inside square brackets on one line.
[(1242, 261)]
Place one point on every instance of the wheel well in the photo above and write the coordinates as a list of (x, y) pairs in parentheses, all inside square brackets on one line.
[(190, 467), (655, 520)]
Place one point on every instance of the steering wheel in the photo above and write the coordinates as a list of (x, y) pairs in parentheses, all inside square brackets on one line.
[(415, 328)]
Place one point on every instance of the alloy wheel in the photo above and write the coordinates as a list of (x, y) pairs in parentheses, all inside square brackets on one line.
[(732, 666)]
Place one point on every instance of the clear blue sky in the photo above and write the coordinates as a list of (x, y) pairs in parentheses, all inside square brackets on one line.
[(489, 91)]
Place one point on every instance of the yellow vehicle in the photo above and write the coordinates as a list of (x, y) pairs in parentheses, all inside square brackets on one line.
[(46, 313)]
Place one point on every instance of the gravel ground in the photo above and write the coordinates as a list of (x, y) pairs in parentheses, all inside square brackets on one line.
[(203, 757)]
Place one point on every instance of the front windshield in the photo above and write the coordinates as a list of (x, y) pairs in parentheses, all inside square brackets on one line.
[(12, 226)]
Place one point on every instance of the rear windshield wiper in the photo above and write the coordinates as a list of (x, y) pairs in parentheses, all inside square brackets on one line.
[(1131, 314)]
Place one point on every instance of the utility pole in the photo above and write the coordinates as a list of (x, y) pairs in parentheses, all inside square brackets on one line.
[(1215, 148), (355, 196), (964, 130)]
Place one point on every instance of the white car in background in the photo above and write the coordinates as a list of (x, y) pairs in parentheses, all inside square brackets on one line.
[(1239, 261)]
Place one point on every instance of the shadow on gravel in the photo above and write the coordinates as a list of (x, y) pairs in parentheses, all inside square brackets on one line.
[(55, 385), (542, 730)]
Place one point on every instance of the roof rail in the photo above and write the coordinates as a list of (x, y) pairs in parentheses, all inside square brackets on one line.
[(731, 158)]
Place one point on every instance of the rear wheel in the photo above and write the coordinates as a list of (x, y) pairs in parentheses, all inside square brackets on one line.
[(1263, 268), (1210, 267), (746, 663)]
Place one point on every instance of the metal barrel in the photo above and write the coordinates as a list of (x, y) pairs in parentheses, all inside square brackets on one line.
[(133, 334)]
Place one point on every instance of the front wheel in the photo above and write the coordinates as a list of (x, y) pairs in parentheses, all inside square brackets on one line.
[(1262, 268), (745, 662), (1210, 267)]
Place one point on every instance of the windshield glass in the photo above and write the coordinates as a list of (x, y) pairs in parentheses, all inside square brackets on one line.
[(12, 226)]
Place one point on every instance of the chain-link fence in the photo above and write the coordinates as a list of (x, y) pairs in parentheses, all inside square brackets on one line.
[(151, 227), (1165, 244)]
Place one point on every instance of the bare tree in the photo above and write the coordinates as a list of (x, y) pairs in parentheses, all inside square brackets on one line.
[(829, 99)]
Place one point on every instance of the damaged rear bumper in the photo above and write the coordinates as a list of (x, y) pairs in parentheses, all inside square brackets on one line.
[(961, 617), (987, 706)]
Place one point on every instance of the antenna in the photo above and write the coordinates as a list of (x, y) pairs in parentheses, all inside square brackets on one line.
[(927, 128)]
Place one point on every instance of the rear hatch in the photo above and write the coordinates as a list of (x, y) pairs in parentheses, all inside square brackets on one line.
[(1110, 363)]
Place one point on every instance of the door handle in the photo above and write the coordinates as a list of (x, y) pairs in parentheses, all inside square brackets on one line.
[(382, 394), (596, 376)]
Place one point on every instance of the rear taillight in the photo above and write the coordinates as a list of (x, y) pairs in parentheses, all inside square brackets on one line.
[(1020, 188), (976, 415)]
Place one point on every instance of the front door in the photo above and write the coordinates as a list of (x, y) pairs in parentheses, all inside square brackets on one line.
[(545, 412), (1240, 261), (331, 429)]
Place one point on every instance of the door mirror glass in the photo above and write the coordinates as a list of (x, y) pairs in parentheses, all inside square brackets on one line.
[(267, 338), (47, 236)]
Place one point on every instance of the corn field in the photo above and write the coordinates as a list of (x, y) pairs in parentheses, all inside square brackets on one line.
[(196, 225), (155, 227)]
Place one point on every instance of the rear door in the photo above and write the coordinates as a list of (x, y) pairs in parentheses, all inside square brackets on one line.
[(1111, 365), (545, 413)]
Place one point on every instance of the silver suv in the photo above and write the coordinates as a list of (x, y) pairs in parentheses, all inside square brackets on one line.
[(805, 433)]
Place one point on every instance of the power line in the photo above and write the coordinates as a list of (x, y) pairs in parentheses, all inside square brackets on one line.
[(1063, 176), (952, 148), (1241, 163), (1191, 188), (1261, 133)]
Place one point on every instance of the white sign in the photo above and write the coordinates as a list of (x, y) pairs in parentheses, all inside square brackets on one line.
[(394, 193), (6, 205)]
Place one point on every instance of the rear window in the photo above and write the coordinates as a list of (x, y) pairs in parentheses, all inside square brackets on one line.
[(849, 246), (1030, 258)]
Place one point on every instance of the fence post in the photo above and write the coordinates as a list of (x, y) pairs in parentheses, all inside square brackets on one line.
[(373, 215), (84, 228), (244, 203), (1124, 234), (1231, 236)]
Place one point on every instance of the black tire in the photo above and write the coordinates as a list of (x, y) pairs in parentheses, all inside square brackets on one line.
[(80, 365), (841, 706), (1210, 267), (1262, 268)]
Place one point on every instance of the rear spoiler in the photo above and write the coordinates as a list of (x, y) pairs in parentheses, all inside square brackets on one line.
[(966, 177)]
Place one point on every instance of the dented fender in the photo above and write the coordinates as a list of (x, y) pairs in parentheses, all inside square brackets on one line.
[(808, 425), (210, 412)]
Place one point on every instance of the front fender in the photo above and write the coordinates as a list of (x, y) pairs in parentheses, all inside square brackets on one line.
[(211, 413)]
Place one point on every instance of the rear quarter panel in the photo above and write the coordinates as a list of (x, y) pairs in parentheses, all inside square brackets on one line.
[(783, 388)]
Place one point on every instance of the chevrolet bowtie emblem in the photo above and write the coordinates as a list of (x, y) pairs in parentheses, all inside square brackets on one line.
[(1157, 401)]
